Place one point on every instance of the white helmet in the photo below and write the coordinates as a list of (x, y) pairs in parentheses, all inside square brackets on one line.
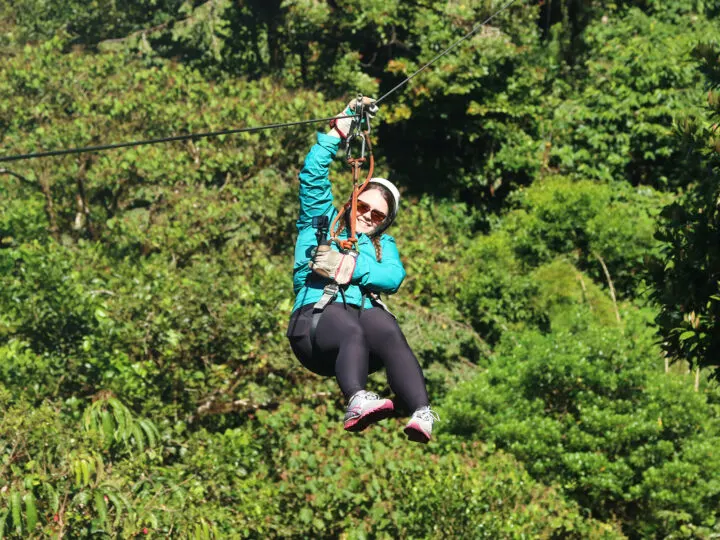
[(387, 184)]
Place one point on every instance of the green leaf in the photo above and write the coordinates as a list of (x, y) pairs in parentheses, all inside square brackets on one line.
[(150, 431), (31, 515), (687, 335), (101, 507), (85, 469), (108, 428), (78, 472), (139, 437), (306, 515), (15, 508), (51, 496), (3, 520)]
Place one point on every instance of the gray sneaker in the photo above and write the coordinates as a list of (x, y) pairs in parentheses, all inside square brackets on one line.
[(365, 408), (419, 427)]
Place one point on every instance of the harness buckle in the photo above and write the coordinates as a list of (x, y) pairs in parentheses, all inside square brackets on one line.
[(329, 293)]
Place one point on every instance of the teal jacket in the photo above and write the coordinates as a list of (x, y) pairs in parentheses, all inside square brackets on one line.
[(316, 200)]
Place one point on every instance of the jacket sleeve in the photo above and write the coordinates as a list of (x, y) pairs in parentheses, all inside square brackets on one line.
[(380, 277), (315, 195)]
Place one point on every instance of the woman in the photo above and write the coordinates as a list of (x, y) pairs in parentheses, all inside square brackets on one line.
[(352, 334)]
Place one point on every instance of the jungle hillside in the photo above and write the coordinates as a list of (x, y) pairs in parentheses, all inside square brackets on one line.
[(560, 228)]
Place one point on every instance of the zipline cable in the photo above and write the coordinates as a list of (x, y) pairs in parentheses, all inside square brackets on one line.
[(450, 48), (186, 137), (191, 136)]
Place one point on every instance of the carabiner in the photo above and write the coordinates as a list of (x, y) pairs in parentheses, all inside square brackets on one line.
[(363, 113), (348, 145)]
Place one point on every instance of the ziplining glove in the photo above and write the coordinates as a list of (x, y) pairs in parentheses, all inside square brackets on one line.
[(334, 265), (343, 125)]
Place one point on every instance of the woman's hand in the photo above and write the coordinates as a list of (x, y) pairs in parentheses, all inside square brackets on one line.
[(334, 265), (341, 126)]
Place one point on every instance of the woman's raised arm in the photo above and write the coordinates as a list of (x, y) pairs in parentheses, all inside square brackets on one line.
[(315, 195)]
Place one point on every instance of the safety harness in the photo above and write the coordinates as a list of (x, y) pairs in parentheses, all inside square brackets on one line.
[(356, 135)]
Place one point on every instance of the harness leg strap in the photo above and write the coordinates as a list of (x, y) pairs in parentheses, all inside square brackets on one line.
[(329, 293)]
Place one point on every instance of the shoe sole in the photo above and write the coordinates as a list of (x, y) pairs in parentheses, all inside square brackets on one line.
[(415, 434), (381, 412)]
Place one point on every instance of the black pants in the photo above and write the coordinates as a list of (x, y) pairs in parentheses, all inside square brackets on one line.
[(350, 344)]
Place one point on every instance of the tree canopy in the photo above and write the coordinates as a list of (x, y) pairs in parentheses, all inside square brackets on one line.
[(559, 227)]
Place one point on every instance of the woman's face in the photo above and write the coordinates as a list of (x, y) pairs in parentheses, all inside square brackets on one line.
[(372, 209)]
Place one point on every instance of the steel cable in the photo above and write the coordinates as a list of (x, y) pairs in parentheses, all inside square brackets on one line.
[(192, 136), (450, 48), (189, 136)]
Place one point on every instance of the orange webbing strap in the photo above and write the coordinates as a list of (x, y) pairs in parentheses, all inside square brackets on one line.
[(356, 164)]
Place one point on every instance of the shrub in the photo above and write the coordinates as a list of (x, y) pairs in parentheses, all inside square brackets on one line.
[(584, 410)]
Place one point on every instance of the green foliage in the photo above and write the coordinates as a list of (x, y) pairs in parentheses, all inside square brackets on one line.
[(430, 231), (44, 298), (544, 259), (86, 22), (680, 11), (583, 410), (290, 472), (117, 100), (684, 275), (59, 478), (22, 218), (115, 424), (478, 104), (586, 222), (294, 475), (688, 295), (124, 303), (563, 293), (147, 386), (615, 121)]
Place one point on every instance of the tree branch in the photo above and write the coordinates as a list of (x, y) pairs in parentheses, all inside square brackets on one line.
[(610, 284)]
